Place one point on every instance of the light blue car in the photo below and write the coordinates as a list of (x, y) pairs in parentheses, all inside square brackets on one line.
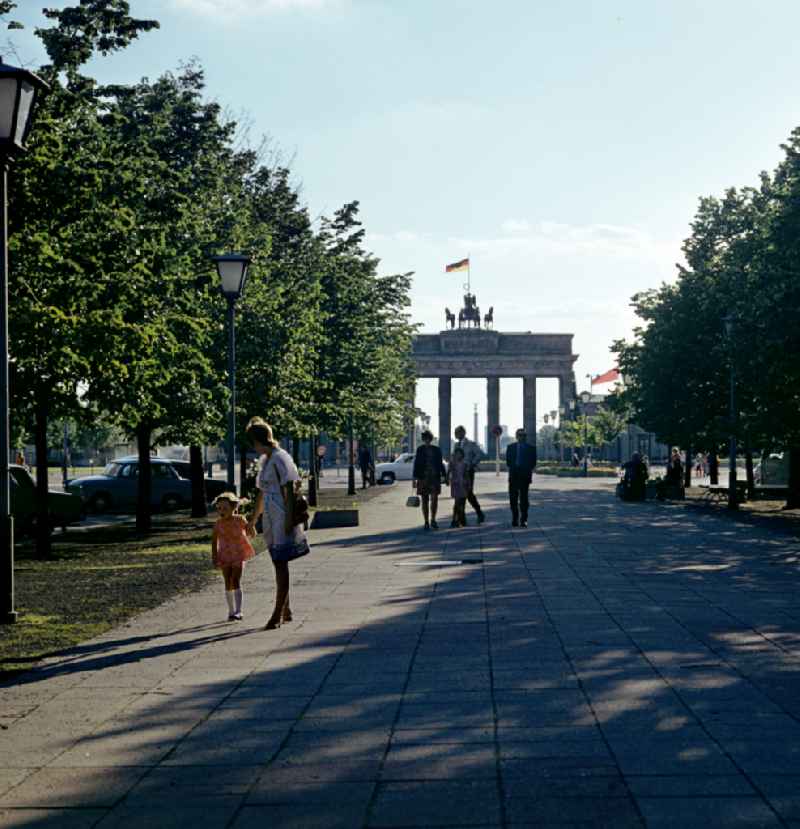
[(117, 487)]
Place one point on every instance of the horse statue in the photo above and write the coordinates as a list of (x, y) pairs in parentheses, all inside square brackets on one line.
[(488, 319), (470, 313), (450, 318)]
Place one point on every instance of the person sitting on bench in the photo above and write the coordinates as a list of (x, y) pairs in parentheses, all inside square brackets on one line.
[(634, 481)]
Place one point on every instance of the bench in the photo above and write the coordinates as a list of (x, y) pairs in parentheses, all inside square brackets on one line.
[(777, 492), (717, 492)]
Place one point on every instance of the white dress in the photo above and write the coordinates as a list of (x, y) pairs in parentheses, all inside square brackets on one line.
[(274, 472)]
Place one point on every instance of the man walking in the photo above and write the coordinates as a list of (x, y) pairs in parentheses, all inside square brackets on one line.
[(364, 464), (521, 461), (472, 457)]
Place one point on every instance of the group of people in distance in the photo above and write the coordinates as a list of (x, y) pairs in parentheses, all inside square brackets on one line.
[(429, 471), (633, 486)]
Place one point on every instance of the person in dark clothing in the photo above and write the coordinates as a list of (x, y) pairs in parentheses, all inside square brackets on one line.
[(427, 475), (634, 481), (521, 461), (364, 464), (672, 485)]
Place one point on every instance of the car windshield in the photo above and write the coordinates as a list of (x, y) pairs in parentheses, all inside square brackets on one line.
[(112, 470)]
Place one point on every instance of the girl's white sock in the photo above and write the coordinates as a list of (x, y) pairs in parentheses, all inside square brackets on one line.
[(229, 600), (238, 596)]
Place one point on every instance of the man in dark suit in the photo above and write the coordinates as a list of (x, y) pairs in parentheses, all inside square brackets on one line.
[(521, 461)]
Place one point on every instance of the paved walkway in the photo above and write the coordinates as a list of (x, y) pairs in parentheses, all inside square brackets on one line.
[(613, 665)]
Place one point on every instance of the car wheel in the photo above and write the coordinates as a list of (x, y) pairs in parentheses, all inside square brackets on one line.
[(100, 503), (387, 478), (169, 503)]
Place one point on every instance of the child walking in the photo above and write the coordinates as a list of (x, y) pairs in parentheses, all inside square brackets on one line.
[(458, 488), (230, 548)]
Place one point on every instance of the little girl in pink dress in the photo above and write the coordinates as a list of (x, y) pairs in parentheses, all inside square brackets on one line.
[(230, 548)]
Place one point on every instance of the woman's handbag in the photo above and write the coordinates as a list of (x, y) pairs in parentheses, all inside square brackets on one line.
[(413, 501), (299, 508)]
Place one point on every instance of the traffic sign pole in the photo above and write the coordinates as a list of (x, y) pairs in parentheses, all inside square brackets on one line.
[(497, 431)]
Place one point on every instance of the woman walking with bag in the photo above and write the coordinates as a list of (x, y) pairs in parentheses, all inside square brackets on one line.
[(427, 474), (275, 500)]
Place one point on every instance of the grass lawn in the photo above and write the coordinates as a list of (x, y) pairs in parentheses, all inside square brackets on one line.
[(98, 578)]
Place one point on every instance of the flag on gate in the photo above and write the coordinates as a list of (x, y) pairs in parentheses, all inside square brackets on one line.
[(608, 377), (462, 265)]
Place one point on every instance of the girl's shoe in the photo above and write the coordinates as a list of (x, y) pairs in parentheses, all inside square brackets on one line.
[(286, 616), (231, 617), (272, 624), (434, 525), (238, 617), (427, 525)]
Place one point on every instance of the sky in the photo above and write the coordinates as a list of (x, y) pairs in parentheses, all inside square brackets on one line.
[(562, 147)]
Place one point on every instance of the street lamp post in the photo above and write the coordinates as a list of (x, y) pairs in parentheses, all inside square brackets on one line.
[(733, 497), (232, 271), (586, 396), (19, 91)]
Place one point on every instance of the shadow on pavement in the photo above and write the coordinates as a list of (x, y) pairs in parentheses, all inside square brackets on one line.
[(626, 662)]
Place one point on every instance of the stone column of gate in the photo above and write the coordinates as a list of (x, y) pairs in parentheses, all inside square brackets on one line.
[(566, 392), (529, 408), (412, 429), (492, 413), (445, 388)]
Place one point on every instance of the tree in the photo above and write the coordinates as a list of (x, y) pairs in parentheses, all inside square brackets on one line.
[(61, 228)]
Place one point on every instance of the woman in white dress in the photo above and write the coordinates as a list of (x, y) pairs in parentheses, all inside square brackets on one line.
[(276, 479)]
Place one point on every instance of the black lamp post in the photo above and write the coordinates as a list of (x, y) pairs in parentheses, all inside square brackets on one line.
[(733, 498), (232, 270), (586, 396), (19, 92)]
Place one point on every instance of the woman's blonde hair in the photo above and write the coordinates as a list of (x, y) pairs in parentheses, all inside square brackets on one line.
[(259, 430)]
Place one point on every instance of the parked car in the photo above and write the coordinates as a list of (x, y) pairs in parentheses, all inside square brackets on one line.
[(64, 509), (773, 470), (117, 487), (400, 469), (213, 486)]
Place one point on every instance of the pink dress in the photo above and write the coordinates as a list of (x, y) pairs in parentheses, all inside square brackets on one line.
[(233, 545)]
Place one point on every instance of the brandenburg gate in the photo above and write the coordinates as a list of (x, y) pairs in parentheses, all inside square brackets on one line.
[(472, 351)]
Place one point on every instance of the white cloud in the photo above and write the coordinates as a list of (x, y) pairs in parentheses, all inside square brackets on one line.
[(220, 9), (560, 239)]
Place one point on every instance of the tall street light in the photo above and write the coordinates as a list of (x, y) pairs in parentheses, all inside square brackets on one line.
[(19, 92), (232, 270), (586, 396), (733, 498)]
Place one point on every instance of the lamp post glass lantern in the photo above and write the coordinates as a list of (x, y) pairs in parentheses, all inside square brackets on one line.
[(232, 271), (19, 92)]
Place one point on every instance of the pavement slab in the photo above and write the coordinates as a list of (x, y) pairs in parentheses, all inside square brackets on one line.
[(611, 665)]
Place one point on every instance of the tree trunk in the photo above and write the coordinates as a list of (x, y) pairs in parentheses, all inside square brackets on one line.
[(144, 519), (199, 508), (687, 468), (296, 451), (43, 541), (793, 493), (751, 478), (713, 467)]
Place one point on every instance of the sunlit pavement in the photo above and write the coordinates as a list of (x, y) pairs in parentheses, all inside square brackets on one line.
[(612, 665)]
